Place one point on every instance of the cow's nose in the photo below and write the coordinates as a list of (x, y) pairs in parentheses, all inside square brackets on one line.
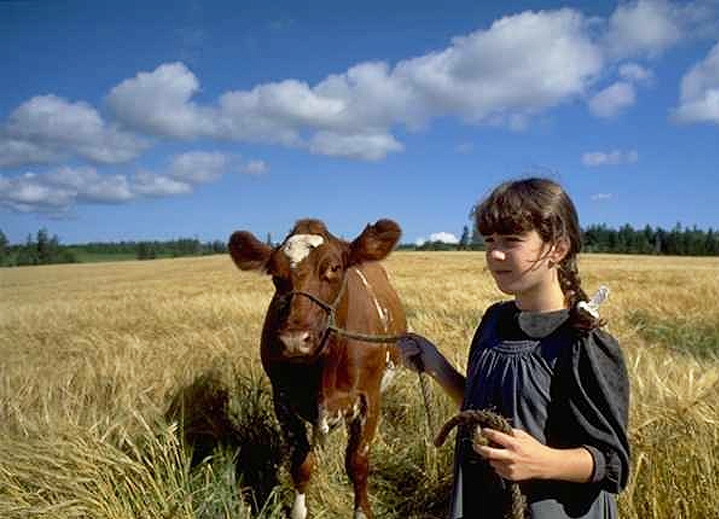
[(298, 343)]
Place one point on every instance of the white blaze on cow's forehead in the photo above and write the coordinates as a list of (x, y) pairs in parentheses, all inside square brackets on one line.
[(298, 247)]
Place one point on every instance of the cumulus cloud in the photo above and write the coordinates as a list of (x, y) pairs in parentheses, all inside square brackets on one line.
[(58, 191), (612, 100), (505, 74), (146, 183), (256, 167), (199, 167), (159, 103), (699, 95), (444, 237), (16, 152), (48, 128), (644, 27), (650, 27), (358, 146), (611, 158), (519, 66), (635, 73)]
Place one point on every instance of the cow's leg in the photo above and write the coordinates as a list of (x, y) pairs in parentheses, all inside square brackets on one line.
[(301, 457), (361, 428)]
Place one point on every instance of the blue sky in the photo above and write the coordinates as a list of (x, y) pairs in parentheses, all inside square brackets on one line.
[(159, 120)]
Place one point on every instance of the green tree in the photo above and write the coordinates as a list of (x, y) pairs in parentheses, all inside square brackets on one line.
[(3, 248), (146, 250), (27, 254), (48, 248), (464, 240)]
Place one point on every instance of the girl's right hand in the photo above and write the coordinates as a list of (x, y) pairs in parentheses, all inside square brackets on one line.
[(419, 354)]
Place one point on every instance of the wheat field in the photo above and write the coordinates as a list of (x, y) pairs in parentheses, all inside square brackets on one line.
[(109, 373)]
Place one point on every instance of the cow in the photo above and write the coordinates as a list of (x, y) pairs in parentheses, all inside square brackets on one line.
[(327, 341)]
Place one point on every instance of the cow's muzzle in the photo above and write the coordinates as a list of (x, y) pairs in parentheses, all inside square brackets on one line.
[(299, 343)]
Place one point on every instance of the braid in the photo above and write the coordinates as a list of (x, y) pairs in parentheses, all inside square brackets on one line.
[(570, 281), (571, 285)]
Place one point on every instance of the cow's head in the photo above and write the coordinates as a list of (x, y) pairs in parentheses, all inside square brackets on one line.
[(310, 260)]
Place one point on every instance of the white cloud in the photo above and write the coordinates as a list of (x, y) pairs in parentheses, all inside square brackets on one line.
[(48, 128), (643, 27), (146, 183), (57, 191), (16, 152), (601, 196), (444, 237), (633, 72), (519, 66), (505, 74), (612, 100), (90, 186), (256, 167), (699, 97), (357, 146), (611, 158), (647, 28), (199, 167), (158, 103), (28, 193)]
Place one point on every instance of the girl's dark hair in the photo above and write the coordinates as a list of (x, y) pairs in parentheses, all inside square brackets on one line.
[(540, 204)]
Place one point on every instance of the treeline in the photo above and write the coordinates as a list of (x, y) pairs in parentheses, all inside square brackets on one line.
[(679, 241), (144, 250), (43, 249)]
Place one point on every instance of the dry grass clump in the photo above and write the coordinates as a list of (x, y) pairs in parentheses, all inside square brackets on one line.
[(134, 390)]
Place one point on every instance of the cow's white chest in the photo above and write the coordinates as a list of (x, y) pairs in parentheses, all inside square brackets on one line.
[(298, 247)]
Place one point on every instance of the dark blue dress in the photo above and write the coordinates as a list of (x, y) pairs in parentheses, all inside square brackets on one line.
[(564, 387)]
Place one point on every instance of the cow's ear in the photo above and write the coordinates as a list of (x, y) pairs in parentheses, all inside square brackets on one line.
[(248, 252), (375, 242)]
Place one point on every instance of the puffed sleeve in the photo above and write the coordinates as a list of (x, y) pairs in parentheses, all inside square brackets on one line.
[(594, 388)]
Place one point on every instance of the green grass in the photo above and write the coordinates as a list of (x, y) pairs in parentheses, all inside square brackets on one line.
[(680, 335)]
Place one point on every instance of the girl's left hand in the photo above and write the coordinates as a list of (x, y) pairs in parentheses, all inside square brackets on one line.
[(520, 457)]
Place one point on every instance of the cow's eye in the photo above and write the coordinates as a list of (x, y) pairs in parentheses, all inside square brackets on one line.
[(332, 271)]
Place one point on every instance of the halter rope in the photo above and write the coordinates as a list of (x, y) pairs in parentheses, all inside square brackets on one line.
[(517, 503), (331, 310)]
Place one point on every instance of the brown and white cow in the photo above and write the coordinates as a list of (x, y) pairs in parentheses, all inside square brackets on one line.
[(325, 286)]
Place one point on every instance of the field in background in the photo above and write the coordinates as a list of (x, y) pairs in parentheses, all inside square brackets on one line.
[(109, 370)]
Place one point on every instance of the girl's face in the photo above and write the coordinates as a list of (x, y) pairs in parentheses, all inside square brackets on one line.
[(523, 264)]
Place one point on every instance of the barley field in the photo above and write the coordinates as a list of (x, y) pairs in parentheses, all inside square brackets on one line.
[(134, 390)]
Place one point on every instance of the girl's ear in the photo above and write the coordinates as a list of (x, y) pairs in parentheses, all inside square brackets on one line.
[(559, 250)]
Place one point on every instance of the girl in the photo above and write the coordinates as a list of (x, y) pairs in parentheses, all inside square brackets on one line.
[(541, 361)]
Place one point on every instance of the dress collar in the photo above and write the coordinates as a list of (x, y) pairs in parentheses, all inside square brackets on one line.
[(538, 325)]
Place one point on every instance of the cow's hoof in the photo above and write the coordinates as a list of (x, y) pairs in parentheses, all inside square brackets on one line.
[(299, 508)]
